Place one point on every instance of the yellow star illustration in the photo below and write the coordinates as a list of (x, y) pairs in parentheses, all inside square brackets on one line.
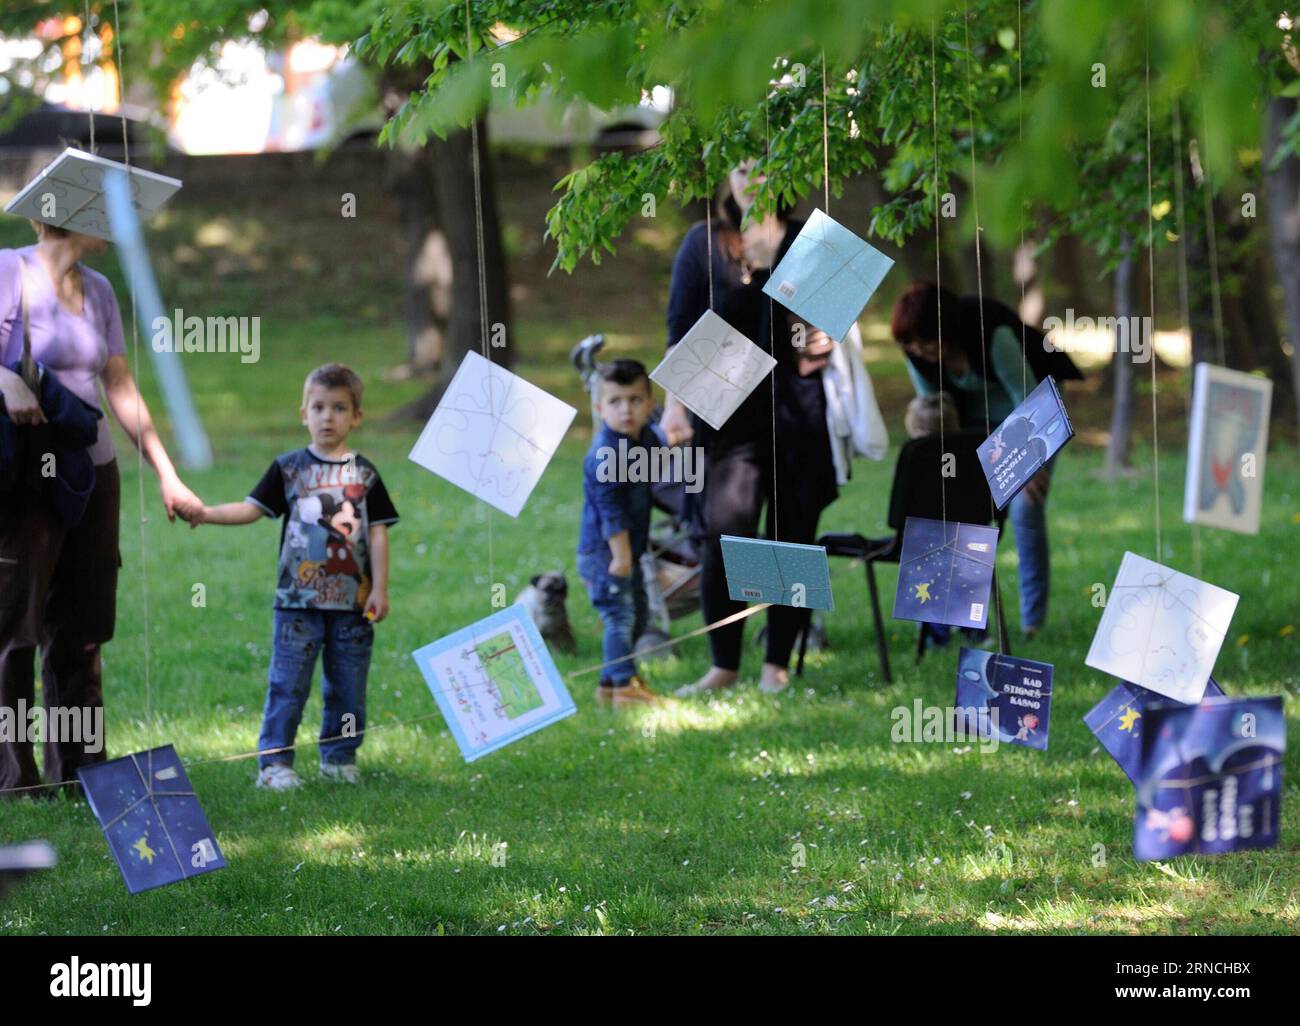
[(923, 592), (143, 850), (1130, 717)]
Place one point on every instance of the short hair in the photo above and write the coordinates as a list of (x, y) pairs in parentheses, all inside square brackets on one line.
[(916, 312), (335, 375), (52, 230), (927, 414), (623, 372)]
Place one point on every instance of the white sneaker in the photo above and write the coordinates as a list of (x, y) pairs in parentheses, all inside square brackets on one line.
[(278, 777), (346, 772)]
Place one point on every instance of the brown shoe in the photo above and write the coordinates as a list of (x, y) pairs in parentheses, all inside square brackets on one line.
[(634, 692)]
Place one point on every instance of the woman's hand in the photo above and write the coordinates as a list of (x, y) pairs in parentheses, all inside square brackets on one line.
[(1036, 489), (815, 354), (180, 501), (675, 422), (20, 402)]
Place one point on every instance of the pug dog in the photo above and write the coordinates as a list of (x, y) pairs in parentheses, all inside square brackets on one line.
[(544, 599)]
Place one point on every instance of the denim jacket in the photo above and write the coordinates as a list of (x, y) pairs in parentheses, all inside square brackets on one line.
[(611, 503)]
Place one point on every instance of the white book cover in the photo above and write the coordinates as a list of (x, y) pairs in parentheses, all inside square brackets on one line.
[(69, 193), (493, 434), (1226, 445), (712, 369), (1161, 629)]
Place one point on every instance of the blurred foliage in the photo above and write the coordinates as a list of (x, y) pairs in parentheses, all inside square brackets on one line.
[(1044, 110)]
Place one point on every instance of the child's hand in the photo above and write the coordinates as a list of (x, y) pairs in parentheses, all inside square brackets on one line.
[(376, 606), (620, 567), (195, 516)]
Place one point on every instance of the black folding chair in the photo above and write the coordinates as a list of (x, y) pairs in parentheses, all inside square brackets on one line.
[(921, 490)]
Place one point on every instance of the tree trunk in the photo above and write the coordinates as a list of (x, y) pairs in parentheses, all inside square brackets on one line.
[(451, 160), (1283, 203), (1200, 280), (1121, 420), (427, 285)]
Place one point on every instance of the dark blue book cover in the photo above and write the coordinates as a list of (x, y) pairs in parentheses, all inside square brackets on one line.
[(1210, 780), (1028, 438), (945, 572), (1116, 721), (151, 818), (1012, 697)]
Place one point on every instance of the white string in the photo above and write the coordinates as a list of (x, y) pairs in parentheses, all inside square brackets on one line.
[(938, 262), (979, 288), (1151, 284), (139, 401), (1020, 98), (708, 235), (1215, 295), (743, 614), (90, 110), (1184, 303), (826, 151), (482, 270), (771, 330)]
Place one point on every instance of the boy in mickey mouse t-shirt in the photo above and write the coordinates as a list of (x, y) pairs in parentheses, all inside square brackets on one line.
[(333, 578)]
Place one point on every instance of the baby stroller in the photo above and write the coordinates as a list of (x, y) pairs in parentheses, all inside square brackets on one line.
[(671, 562)]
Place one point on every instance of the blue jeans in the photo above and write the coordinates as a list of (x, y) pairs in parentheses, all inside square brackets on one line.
[(346, 639), (621, 603), (1030, 524)]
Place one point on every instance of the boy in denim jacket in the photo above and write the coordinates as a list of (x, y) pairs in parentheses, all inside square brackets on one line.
[(616, 526)]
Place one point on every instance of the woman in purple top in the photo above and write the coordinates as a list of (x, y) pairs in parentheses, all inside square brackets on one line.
[(58, 584)]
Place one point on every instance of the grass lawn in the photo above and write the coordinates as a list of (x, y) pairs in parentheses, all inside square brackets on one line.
[(682, 820)]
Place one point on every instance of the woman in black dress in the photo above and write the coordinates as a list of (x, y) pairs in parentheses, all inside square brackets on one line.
[(743, 473)]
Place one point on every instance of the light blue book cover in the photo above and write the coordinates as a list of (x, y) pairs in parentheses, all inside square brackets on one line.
[(828, 275), (783, 573), (494, 682)]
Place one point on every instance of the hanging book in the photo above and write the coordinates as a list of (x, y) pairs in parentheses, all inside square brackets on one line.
[(493, 434), (494, 682), (151, 818), (828, 275), (783, 573), (1210, 780), (945, 572), (1161, 629), (1116, 721), (69, 193), (1033, 433), (1226, 445), (712, 369), (1011, 697)]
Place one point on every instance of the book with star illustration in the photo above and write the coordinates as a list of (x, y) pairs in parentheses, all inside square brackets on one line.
[(945, 572), (1116, 721), (1226, 443), (151, 818), (1033, 433), (1011, 696), (1210, 779)]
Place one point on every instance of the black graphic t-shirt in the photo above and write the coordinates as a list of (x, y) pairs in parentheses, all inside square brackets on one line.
[(328, 508)]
